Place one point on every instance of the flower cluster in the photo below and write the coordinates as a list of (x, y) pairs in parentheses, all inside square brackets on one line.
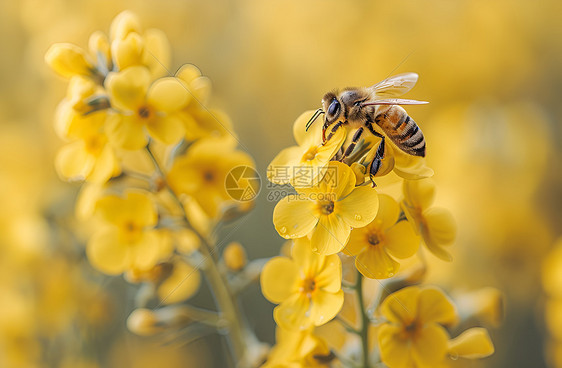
[(339, 217), (155, 163)]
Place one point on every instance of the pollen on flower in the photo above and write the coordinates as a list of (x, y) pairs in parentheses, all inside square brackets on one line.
[(326, 207), (144, 112), (308, 285)]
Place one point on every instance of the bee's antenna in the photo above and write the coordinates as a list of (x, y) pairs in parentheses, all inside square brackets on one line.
[(313, 118)]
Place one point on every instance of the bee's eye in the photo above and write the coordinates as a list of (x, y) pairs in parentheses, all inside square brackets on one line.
[(334, 107)]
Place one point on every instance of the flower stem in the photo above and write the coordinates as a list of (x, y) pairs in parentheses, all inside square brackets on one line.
[(364, 331), (225, 300)]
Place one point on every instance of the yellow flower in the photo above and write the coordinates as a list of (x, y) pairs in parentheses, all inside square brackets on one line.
[(142, 105), (327, 212), (127, 239), (436, 225), (301, 165), (201, 172), (307, 286), (374, 244), (296, 349), (413, 335), (90, 158)]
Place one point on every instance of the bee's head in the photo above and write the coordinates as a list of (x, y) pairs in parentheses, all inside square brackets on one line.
[(332, 107)]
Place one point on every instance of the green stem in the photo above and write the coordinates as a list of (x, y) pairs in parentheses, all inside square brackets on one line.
[(364, 332), (225, 300)]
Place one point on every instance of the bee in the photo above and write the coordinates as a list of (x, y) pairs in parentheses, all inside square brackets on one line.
[(365, 108)]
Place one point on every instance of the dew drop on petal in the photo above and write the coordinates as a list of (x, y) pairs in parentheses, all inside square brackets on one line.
[(390, 274), (454, 356), (358, 217), (283, 230)]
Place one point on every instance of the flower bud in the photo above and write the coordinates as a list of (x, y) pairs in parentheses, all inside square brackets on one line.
[(99, 46), (235, 256), (69, 60), (143, 322), (128, 51), (123, 24)]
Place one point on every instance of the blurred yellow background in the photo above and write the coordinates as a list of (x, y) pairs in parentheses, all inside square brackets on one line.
[(491, 71)]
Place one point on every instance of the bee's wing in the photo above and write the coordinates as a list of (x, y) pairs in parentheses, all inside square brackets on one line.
[(394, 86), (394, 101)]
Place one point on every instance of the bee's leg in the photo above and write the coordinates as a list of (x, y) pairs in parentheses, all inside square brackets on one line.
[(353, 143), (379, 155), (332, 132)]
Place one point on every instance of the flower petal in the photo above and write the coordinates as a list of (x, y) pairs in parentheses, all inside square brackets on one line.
[(278, 279), (401, 307), (330, 235), (375, 263), (395, 350), (329, 277), (167, 129), (429, 347), (168, 95), (281, 169), (472, 344), (337, 178), (106, 253), (292, 314), (293, 217), (325, 306), (73, 162), (419, 193), (156, 52), (182, 284), (105, 167), (434, 306), (126, 131), (313, 135), (127, 89), (146, 253), (401, 241), (128, 51), (69, 60), (360, 207), (439, 230)]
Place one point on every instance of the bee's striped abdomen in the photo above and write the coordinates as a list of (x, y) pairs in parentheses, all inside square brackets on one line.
[(402, 130)]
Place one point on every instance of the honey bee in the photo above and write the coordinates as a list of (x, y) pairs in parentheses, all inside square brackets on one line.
[(364, 108)]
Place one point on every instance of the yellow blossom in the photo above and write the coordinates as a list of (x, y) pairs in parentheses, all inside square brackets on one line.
[(90, 157), (436, 225), (376, 244), (301, 165), (201, 172), (298, 349), (143, 105), (327, 212), (307, 286), (127, 238), (413, 335)]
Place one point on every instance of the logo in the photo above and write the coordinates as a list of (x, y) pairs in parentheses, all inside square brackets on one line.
[(243, 183)]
